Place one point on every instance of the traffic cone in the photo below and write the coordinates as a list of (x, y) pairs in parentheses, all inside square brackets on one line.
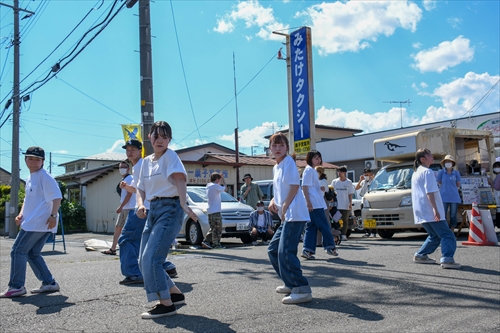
[(477, 236)]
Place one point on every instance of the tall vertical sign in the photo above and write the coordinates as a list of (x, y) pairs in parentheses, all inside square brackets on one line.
[(301, 91)]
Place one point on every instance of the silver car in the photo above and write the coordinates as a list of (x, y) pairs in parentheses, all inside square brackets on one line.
[(235, 217)]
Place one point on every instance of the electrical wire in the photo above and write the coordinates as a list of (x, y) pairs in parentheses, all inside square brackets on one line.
[(479, 102), (184, 71), (239, 92), (49, 76), (65, 38)]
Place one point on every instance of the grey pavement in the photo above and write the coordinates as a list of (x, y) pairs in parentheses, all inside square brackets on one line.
[(373, 287)]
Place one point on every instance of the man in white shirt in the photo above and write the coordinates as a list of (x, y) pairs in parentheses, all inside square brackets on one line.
[(344, 189), (214, 189)]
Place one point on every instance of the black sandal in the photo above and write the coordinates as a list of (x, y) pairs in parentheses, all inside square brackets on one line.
[(110, 251)]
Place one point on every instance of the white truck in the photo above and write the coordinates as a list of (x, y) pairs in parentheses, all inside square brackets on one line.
[(387, 206)]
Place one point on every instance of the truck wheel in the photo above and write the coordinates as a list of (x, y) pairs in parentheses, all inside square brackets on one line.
[(385, 233), (246, 239), (194, 235)]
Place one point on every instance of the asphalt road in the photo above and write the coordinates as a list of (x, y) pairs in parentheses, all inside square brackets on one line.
[(373, 287)]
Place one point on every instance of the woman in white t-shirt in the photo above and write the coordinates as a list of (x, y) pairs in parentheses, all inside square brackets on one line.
[(162, 182), (316, 205), (289, 203)]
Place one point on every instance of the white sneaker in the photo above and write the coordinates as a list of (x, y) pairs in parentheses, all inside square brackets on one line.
[(254, 243), (344, 238), (451, 265), (283, 290), (423, 260), (266, 242), (297, 298), (373, 235), (47, 288)]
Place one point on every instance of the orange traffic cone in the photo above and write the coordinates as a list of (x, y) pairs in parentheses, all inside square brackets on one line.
[(477, 236)]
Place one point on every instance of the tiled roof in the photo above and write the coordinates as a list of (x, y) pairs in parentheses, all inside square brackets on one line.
[(253, 160)]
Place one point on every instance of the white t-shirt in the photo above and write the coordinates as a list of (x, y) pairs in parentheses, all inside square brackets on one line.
[(136, 172), (343, 189), (131, 203), (41, 189), (213, 195), (285, 174), (424, 181), (311, 180), (323, 183), (260, 222), (154, 178)]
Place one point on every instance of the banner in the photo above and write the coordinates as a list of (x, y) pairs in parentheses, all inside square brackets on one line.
[(133, 132)]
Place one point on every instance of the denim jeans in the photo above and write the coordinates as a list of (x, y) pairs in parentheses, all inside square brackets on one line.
[(453, 212), (163, 225), (130, 241), (439, 233), (282, 252), (318, 222), (27, 248)]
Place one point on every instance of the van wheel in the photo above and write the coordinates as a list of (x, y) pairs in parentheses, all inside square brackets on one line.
[(194, 235), (385, 233), (246, 239)]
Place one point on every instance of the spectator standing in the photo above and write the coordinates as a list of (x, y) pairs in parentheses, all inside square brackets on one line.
[(38, 219), (323, 185), (428, 210), (344, 189), (251, 192), (214, 189), (449, 181), (365, 181), (261, 224), (289, 203), (127, 202), (496, 190), (316, 205), (162, 182)]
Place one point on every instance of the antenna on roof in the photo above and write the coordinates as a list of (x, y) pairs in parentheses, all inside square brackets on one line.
[(400, 107)]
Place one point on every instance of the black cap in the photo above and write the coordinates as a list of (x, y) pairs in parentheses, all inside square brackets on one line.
[(260, 203), (134, 143), (342, 169), (35, 152), (247, 175)]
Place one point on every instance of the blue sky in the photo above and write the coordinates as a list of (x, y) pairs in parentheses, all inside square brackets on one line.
[(441, 55)]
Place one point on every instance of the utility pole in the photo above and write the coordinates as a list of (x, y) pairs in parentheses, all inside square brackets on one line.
[(236, 142), (400, 107), (146, 60), (15, 182)]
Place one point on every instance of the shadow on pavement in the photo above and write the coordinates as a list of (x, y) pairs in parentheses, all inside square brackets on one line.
[(46, 303), (341, 306), (195, 324)]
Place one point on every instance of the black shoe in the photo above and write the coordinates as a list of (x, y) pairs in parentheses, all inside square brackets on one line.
[(128, 280), (172, 273), (158, 311), (178, 299)]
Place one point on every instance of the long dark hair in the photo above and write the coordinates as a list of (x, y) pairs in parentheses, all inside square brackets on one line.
[(422, 152)]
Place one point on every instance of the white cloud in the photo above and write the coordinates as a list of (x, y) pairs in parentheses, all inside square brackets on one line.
[(456, 97), (117, 147), (351, 26), (416, 45), (463, 95), (253, 136), (454, 22), (61, 151), (253, 14), (447, 54), (429, 4)]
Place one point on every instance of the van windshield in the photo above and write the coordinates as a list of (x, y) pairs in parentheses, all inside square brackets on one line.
[(397, 176)]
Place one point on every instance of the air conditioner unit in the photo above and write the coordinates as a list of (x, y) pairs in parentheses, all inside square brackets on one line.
[(370, 164)]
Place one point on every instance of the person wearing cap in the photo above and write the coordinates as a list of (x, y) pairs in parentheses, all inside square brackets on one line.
[(428, 211), (38, 219), (250, 192), (344, 189), (449, 181), (261, 224)]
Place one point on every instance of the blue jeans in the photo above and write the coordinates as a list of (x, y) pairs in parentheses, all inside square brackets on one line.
[(453, 212), (130, 242), (27, 248), (318, 222), (163, 225), (282, 252), (439, 233)]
